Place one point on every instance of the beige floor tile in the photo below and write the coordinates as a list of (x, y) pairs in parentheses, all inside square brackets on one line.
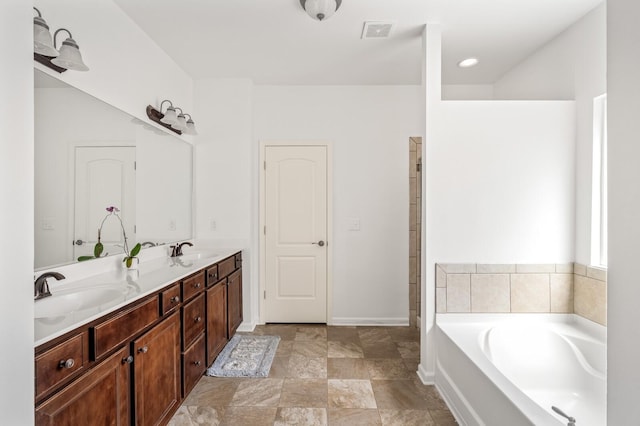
[(285, 348), (343, 334), (302, 367), (345, 350), (397, 395), (311, 333), (254, 416), (409, 349), (406, 418), (432, 398), (373, 335), (213, 392), (310, 348), (350, 394), (404, 334), (412, 364), (279, 368), (301, 416), (383, 350), (347, 368), (286, 332), (387, 369), (197, 416), (353, 417), (443, 418), (310, 393), (258, 393)]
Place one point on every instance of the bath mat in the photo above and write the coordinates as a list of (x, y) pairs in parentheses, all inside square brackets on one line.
[(245, 356)]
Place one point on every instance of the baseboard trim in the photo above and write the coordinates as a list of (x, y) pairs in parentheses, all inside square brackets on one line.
[(392, 322), (247, 327), (426, 377), (455, 400)]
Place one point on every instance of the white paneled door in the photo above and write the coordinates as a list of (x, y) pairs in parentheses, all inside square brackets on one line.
[(296, 193), (104, 176)]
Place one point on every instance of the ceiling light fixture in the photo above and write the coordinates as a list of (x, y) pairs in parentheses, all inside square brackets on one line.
[(171, 120), (46, 53), (468, 63), (320, 10)]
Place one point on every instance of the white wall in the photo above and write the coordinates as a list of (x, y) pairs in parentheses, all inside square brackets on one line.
[(126, 68), (369, 127), (623, 384), (467, 92), (16, 215), (571, 66), (223, 175)]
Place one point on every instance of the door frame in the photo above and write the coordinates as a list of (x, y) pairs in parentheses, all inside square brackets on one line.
[(264, 144)]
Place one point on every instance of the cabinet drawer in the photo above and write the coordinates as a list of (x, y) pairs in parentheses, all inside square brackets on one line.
[(60, 362), (212, 275), (193, 365), (193, 322), (124, 326), (192, 286), (226, 267), (170, 298)]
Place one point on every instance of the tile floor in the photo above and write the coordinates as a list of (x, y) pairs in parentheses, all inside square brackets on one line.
[(324, 376)]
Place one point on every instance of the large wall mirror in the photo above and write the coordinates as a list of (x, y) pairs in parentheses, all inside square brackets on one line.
[(89, 156)]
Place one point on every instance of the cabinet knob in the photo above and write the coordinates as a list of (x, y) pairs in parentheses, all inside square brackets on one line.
[(175, 299), (197, 319), (143, 350), (197, 363), (66, 364), (197, 285), (213, 276), (127, 360)]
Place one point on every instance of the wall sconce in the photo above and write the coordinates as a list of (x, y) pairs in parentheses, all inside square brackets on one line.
[(171, 120), (320, 10), (45, 52)]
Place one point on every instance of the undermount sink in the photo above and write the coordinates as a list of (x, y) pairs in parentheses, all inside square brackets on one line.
[(198, 255), (66, 302)]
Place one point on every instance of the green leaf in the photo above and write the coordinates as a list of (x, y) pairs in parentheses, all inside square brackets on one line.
[(97, 250), (135, 250), (83, 258), (129, 261)]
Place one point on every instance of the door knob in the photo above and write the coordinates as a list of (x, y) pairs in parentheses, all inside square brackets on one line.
[(78, 242), (320, 243)]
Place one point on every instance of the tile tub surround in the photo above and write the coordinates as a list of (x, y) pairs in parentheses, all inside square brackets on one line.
[(324, 375), (522, 288)]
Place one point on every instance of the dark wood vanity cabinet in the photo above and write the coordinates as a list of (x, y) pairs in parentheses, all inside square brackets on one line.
[(156, 367), (135, 365), (99, 397)]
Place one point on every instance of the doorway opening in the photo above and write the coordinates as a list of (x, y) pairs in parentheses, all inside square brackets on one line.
[(415, 228)]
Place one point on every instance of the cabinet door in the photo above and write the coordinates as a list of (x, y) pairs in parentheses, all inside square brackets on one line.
[(99, 397), (157, 372), (216, 320), (234, 301)]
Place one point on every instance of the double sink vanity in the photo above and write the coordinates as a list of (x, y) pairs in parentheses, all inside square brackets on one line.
[(126, 347)]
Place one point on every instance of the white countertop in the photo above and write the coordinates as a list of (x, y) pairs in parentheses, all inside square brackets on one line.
[(151, 275)]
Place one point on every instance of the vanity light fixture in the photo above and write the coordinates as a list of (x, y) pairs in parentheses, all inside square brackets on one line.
[(468, 63), (46, 53), (320, 10), (171, 120)]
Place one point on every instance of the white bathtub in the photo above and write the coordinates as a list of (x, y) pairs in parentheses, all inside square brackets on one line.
[(509, 369)]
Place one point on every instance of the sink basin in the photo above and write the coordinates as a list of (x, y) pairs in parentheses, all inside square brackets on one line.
[(68, 301), (198, 255)]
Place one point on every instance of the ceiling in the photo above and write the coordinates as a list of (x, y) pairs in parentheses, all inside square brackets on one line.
[(274, 42)]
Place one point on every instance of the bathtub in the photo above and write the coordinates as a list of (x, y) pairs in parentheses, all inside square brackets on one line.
[(510, 369)]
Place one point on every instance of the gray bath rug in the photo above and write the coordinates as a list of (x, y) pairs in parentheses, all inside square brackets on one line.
[(245, 356)]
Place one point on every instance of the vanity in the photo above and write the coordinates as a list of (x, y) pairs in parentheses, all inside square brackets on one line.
[(134, 362)]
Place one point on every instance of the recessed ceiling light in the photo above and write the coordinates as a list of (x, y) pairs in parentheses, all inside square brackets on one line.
[(468, 63)]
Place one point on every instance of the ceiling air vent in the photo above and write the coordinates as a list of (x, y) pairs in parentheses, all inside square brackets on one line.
[(377, 29)]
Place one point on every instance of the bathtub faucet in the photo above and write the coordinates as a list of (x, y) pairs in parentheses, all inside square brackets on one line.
[(572, 421)]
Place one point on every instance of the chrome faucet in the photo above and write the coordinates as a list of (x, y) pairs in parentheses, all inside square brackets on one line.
[(148, 243), (41, 287), (177, 249)]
